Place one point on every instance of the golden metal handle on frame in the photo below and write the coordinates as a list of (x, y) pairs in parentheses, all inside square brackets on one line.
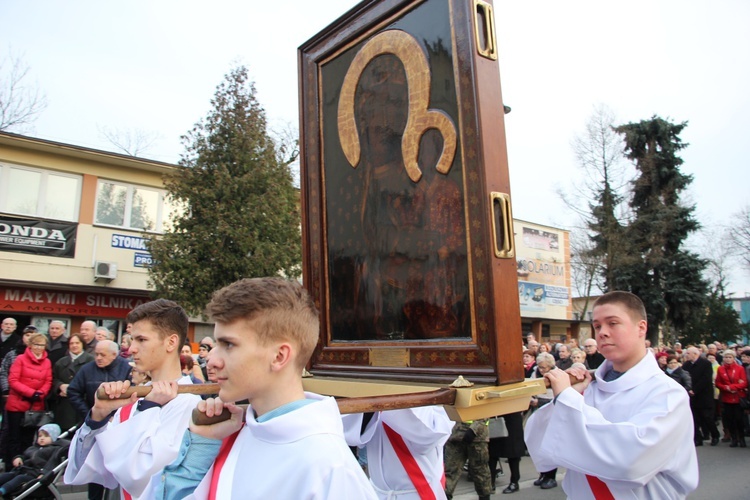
[(502, 226)]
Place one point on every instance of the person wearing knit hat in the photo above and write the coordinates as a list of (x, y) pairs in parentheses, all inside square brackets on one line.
[(38, 459), (53, 430)]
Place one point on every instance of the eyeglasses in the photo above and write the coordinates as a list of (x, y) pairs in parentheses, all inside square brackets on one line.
[(39, 345), (587, 346)]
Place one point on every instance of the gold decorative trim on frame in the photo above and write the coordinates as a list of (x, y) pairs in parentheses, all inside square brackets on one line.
[(420, 118)]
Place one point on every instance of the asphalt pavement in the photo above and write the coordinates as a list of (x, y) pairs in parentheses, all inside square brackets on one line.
[(723, 475)]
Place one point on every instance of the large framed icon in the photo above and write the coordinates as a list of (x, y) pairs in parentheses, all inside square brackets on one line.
[(407, 225)]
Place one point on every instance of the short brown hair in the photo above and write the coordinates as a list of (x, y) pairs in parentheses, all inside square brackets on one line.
[(77, 336), (167, 317), (629, 301), (279, 309)]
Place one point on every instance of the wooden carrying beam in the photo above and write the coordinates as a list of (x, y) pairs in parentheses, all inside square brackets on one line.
[(353, 396)]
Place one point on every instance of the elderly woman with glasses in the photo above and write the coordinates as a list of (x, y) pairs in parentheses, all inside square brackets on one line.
[(29, 381)]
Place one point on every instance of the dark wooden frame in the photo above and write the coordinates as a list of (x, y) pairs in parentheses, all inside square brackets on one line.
[(493, 353)]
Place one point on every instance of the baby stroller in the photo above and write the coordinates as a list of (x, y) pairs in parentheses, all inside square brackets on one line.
[(45, 487)]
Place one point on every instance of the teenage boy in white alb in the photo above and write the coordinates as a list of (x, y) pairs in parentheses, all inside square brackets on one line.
[(627, 434), (128, 442), (292, 443)]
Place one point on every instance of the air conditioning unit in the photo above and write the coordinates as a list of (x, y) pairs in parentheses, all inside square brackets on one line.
[(105, 270)]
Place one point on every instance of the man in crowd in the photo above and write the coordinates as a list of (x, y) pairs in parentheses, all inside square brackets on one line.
[(714, 349), (564, 362), (8, 336), (593, 357), (702, 403), (107, 367), (103, 333), (88, 334), (57, 341), (8, 340)]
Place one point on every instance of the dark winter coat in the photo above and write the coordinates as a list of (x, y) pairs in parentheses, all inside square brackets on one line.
[(82, 388), (681, 377), (512, 446), (702, 378), (41, 459), (594, 360), (8, 361), (63, 373), (57, 348), (564, 364), (9, 344), (29, 375)]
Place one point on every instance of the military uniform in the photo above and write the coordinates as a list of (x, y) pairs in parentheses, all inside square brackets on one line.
[(469, 440)]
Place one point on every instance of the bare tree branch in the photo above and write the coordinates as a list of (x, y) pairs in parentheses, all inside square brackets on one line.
[(286, 138), (739, 236), (20, 100), (135, 142)]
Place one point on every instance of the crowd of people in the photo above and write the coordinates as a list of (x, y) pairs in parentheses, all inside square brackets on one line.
[(59, 372), (266, 330)]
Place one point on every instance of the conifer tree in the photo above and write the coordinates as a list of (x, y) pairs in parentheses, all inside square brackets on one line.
[(241, 212), (665, 275)]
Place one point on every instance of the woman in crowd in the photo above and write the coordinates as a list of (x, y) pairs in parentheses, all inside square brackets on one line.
[(62, 374), (138, 377), (661, 359), (675, 371), (29, 380), (529, 362), (188, 368), (125, 342), (732, 383), (578, 356)]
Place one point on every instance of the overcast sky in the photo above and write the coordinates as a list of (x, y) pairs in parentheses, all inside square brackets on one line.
[(154, 65)]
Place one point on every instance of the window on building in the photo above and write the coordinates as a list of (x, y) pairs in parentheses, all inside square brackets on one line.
[(39, 193), (131, 207)]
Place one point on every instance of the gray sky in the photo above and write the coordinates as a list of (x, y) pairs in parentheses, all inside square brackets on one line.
[(154, 65)]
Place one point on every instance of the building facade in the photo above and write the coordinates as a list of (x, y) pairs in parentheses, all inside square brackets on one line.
[(73, 229), (543, 257)]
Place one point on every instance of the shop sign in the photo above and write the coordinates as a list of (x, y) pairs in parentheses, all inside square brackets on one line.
[(38, 237), (143, 260), (30, 300), (129, 242)]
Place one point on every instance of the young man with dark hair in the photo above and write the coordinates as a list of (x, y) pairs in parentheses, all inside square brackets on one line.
[(266, 330), (128, 442), (633, 425)]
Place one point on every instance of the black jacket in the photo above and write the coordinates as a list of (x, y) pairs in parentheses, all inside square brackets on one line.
[(594, 360), (41, 459), (82, 389), (702, 377), (681, 377), (9, 344)]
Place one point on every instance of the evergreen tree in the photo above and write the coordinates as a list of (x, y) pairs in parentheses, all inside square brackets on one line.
[(241, 212), (717, 321), (602, 180), (667, 277)]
